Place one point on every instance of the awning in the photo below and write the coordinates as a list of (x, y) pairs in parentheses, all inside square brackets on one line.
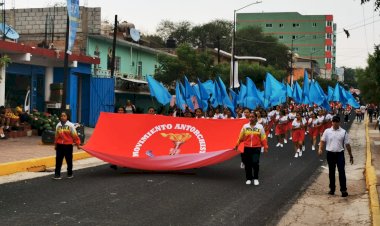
[(134, 80)]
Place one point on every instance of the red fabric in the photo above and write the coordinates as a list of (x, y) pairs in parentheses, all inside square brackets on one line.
[(314, 131), (281, 128), (298, 135), (125, 140)]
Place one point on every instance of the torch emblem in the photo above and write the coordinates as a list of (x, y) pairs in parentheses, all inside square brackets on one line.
[(178, 139)]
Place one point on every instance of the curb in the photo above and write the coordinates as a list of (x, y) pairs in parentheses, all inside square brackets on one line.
[(36, 164), (371, 181)]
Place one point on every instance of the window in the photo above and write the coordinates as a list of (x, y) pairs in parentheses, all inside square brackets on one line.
[(117, 63), (139, 68), (281, 25), (296, 25), (314, 24), (314, 37), (295, 49), (328, 36), (294, 37), (281, 37), (328, 48), (268, 25), (328, 60), (329, 23), (313, 49)]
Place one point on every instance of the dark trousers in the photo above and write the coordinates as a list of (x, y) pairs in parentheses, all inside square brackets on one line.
[(64, 151), (336, 159), (251, 159)]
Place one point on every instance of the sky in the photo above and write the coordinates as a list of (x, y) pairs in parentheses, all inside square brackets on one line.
[(361, 20)]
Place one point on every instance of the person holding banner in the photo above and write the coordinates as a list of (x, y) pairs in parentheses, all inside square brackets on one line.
[(253, 136)]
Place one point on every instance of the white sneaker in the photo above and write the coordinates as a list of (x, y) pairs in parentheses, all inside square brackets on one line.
[(300, 153), (248, 182), (291, 138), (313, 148), (298, 150), (285, 141), (281, 145), (278, 145), (256, 182), (296, 155), (303, 148), (242, 165)]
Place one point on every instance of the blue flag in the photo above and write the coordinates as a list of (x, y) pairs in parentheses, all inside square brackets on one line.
[(242, 95), (158, 91), (179, 100), (224, 96), (305, 88)]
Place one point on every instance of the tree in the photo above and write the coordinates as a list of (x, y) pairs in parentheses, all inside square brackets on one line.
[(188, 62), (377, 3), (349, 77), (369, 78), (180, 31), (252, 42), (207, 35), (154, 41)]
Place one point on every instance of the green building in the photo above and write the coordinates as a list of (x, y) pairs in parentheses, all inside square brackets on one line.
[(310, 36), (133, 62)]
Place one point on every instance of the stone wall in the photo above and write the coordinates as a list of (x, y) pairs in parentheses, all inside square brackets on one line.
[(31, 23)]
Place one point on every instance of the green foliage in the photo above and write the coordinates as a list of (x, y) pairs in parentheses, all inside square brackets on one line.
[(5, 60), (369, 78), (188, 62), (376, 2), (154, 41), (350, 77), (42, 121), (251, 41)]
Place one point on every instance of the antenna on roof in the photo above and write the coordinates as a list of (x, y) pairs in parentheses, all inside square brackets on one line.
[(135, 34)]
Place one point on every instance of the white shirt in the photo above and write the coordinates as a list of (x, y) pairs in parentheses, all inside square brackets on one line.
[(335, 140), (296, 124), (282, 119), (313, 122)]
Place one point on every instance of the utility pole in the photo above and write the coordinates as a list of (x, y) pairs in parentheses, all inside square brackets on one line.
[(114, 48), (218, 43), (291, 65)]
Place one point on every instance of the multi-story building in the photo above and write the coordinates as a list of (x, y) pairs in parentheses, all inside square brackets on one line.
[(310, 36), (91, 87)]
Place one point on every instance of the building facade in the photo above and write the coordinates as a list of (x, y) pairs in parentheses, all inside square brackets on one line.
[(310, 36), (93, 89)]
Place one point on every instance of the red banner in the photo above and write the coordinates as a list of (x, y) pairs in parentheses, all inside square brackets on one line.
[(156, 142)]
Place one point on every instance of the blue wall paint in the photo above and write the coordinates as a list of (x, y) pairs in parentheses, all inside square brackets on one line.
[(85, 113), (102, 97), (35, 73)]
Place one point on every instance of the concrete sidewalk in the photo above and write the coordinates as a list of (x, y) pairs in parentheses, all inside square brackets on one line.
[(25, 154)]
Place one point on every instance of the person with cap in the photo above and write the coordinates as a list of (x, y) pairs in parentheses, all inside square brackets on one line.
[(253, 136), (335, 139)]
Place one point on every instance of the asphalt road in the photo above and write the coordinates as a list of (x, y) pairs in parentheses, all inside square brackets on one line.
[(215, 195)]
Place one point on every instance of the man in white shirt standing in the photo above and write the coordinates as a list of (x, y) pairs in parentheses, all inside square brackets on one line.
[(335, 139)]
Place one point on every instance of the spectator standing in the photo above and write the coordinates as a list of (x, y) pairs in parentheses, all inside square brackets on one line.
[(335, 139), (130, 108), (65, 136)]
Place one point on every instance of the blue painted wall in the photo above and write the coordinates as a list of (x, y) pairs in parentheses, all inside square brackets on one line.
[(102, 97)]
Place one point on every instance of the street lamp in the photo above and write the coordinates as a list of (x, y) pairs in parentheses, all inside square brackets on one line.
[(218, 45), (291, 60), (233, 42), (312, 64)]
